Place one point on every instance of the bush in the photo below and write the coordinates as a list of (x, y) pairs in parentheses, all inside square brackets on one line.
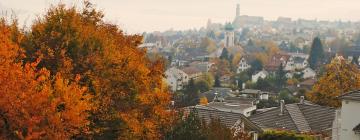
[(284, 135)]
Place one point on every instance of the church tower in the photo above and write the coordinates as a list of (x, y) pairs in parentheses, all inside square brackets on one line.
[(229, 35)]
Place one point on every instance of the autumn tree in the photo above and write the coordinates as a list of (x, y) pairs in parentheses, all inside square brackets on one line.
[(208, 45), (222, 67), (340, 77), (129, 93), (32, 104)]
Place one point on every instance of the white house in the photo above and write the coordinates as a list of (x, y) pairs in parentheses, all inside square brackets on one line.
[(308, 73), (350, 116), (289, 66), (192, 72), (289, 75), (262, 74), (295, 62), (243, 65), (176, 79)]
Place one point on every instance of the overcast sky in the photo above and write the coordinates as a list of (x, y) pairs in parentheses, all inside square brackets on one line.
[(159, 15)]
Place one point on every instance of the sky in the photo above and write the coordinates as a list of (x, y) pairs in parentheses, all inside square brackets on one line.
[(137, 16)]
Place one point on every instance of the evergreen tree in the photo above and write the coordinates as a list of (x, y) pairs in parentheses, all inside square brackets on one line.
[(316, 54), (256, 65), (217, 81), (355, 60), (192, 93), (280, 77), (224, 54), (202, 85), (211, 34), (250, 43)]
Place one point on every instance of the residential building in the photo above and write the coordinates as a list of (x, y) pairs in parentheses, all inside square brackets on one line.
[(276, 61), (296, 62), (254, 93), (308, 73), (202, 66), (233, 120), (176, 79), (221, 94), (308, 83), (226, 94), (350, 116), (261, 74), (298, 117), (243, 65), (193, 72)]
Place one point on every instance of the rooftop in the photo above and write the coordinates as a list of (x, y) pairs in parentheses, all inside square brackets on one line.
[(191, 70), (227, 118), (229, 27), (230, 107), (357, 129), (353, 95), (296, 117)]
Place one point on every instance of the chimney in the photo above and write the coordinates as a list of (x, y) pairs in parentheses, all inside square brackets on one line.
[(216, 98), (302, 99), (282, 107)]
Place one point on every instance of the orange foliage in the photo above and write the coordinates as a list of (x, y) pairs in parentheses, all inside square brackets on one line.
[(340, 77), (203, 101), (32, 105), (128, 87)]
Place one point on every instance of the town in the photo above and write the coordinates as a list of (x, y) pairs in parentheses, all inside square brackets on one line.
[(179, 70), (259, 72)]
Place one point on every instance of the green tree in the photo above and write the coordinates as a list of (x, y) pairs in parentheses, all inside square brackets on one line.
[(241, 78), (316, 54), (284, 135), (267, 103), (189, 128), (202, 85), (256, 65), (217, 81), (250, 43), (193, 128), (263, 84), (224, 54), (355, 60), (211, 34), (280, 77), (192, 93), (287, 96)]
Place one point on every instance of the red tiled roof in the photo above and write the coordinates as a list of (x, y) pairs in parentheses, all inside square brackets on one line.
[(191, 70)]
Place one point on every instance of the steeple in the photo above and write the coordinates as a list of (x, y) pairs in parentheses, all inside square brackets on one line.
[(237, 10)]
